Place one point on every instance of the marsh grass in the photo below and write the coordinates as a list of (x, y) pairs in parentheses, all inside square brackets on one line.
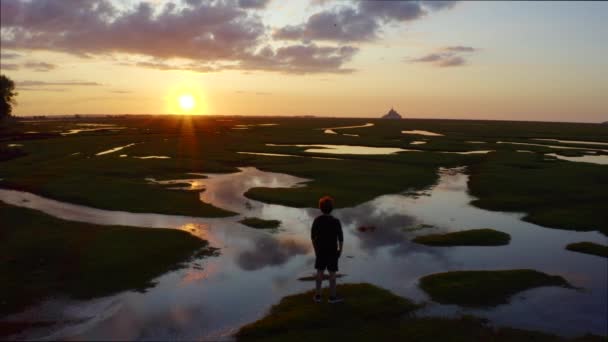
[(259, 223), (44, 256), (484, 288), (473, 237), (370, 313), (552, 193), (589, 248)]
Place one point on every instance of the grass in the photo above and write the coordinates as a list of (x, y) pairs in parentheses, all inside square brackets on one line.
[(370, 313), (565, 194), (473, 237), (484, 288), (259, 223), (558, 194), (43, 256), (589, 248)]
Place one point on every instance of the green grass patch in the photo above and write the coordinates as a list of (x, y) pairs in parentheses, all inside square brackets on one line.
[(44, 256), (589, 248), (370, 313), (259, 223), (484, 288), (473, 237), (557, 194)]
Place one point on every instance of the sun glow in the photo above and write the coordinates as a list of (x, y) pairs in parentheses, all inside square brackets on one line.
[(187, 98), (187, 102)]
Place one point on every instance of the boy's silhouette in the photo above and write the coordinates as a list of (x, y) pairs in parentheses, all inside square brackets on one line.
[(327, 240)]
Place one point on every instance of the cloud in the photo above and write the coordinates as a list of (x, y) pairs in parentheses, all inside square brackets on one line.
[(459, 48), (302, 59), (450, 56), (360, 23), (39, 66), (452, 61), (121, 91), (61, 83), (210, 35), (9, 55), (255, 4), (342, 25), (9, 66)]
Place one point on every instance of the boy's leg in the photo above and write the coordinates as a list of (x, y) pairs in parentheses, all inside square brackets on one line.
[(332, 284), (319, 280)]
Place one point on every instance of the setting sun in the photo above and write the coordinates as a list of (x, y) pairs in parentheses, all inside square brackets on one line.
[(187, 102)]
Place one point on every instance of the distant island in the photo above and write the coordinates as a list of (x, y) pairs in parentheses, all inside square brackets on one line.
[(605, 123), (392, 114)]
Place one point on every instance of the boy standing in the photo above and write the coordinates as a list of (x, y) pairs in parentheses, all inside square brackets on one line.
[(327, 240)]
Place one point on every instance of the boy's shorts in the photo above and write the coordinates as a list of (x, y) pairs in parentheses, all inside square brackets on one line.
[(327, 261)]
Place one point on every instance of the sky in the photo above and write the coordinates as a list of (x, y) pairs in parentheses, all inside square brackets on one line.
[(494, 60)]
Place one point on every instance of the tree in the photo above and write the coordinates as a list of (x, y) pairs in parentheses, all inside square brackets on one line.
[(7, 96)]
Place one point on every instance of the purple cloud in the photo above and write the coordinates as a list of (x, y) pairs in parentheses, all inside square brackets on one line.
[(9, 55), (255, 4), (209, 35), (449, 56), (360, 23), (9, 66), (452, 61), (39, 66)]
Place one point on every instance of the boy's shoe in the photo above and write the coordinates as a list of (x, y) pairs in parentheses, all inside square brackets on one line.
[(335, 299), (317, 298)]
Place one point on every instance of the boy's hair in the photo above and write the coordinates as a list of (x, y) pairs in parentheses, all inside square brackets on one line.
[(326, 204)]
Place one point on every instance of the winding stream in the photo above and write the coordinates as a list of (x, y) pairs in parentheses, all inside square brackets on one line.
[(213, 297)]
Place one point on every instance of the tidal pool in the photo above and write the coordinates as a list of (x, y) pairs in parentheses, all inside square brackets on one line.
[(115, 149), (472, 152), (348, 149), (595, 159), (78, 130), (574, 141), (254, 125), (213, 297), (285, 155), (153, 157), (420, 132), (331, 130), (552, 146)]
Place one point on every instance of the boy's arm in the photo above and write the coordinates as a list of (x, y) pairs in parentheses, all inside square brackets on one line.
[(340, 238), (313, 235)]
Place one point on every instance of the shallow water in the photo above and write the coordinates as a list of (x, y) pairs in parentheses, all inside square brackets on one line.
[(257, 268), (418, 142), (420, 132), (75, 131), (348, 149), (254, 125), (552, 146), (285, 155), (595, 159), (152, 157), (472, 152), (115, 149), (95, 125), (331, 130), (575, 141)]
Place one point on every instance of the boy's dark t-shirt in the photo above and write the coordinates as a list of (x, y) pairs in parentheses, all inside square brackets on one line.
[(325, 233)]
